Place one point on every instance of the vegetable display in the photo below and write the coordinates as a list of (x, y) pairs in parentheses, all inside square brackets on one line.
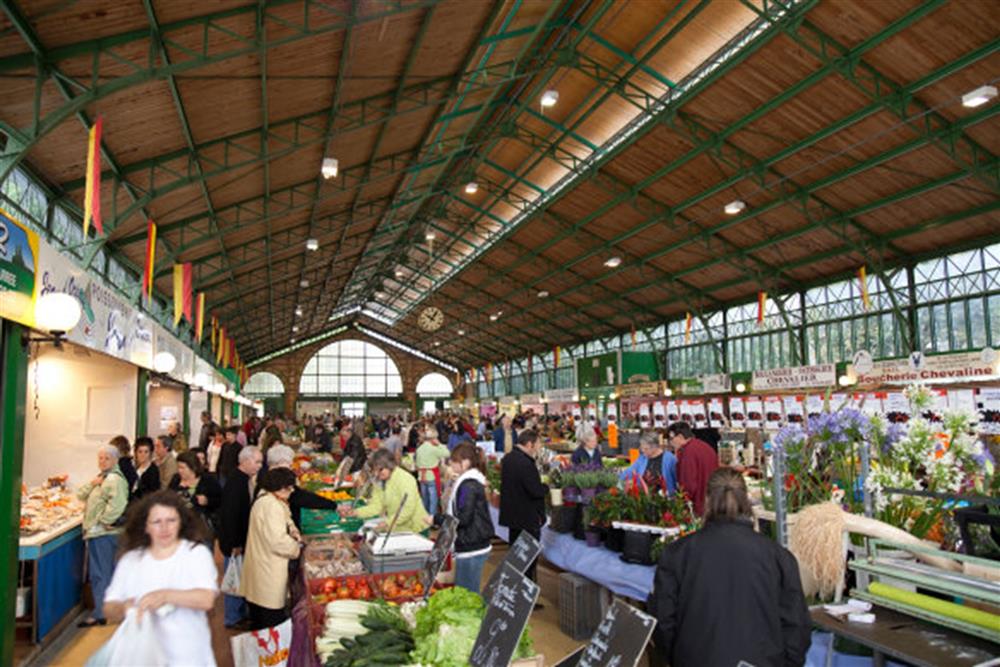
[(447, 627), (383, 639)]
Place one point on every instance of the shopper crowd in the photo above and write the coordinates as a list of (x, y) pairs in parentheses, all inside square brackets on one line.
[(155, 511)]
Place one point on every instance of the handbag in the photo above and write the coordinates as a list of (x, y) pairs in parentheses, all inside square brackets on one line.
[(231, 578)]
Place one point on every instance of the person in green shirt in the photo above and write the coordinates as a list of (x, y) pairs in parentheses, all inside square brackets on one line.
[(394, 488), (428, 460), (106, 496)]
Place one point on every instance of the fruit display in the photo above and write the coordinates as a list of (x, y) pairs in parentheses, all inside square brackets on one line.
[(335, 495)]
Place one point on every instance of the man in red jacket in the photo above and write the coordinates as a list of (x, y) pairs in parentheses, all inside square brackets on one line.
[(696, 461)]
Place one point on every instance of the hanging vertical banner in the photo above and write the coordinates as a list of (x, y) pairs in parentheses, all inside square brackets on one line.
[(863, 281), (179, 293), (489, 376), (147, 274), (92, 191), (761, 306), (188, 273), (633, 337), (199, 316), (215, 333), (687, 329), (220, 346), (18, 270), (555, 356)]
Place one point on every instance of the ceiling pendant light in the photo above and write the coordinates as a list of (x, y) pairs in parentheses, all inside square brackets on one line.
[(979, 96), (430, 236), (303, 283), (461, 332), (298, 311), (295, 329), (330, 167), (471, 188), (543, 294), (312, 244), (549, 98), (613, 262), (734, 207)]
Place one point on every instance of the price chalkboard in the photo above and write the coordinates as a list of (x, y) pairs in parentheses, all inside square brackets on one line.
[(443, 544), (520, 556), (620, 639), (507, 612)]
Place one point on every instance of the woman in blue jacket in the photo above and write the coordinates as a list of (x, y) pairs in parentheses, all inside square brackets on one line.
[(664, 463)]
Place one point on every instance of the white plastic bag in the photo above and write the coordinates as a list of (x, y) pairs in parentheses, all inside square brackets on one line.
[(134, 643), (231, 578), (263, 647)]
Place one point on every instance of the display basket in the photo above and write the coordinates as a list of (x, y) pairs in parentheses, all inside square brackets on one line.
[(321, 522)]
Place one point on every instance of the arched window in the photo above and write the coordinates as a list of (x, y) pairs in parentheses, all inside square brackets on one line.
[(264, 384), (434, 384), (350, 368)]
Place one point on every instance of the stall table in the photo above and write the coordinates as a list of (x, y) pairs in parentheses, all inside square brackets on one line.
[(52, 566), (600, 565), (912, 640)]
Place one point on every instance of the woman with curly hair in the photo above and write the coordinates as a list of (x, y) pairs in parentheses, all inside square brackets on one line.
[(164, 567)]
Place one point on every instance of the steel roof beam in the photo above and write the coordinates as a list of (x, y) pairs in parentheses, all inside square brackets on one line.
[(961, 148), (188, 137), (425, 23), (212, 33), (530, 43), (699, 82), (700, 147)]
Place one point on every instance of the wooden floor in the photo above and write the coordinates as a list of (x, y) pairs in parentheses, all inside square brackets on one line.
[(544, 626)]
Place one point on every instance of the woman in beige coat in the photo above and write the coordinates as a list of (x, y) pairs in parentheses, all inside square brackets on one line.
[(272, 541)]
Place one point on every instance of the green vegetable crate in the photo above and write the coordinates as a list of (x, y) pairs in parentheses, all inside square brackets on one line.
[(322, 522)]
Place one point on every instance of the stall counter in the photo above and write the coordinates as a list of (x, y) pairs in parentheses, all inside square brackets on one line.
[(52, 566)]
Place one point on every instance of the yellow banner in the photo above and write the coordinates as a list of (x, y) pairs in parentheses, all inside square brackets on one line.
[(19, 277)]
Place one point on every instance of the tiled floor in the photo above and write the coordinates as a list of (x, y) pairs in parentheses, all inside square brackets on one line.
[(544, 626)]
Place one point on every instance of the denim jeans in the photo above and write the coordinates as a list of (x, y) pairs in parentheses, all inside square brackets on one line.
[(429, 496), (469, 571), (235, 607), (101, 566)]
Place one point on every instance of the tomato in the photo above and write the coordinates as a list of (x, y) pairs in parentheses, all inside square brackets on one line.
[(328, 586), (343, 592)]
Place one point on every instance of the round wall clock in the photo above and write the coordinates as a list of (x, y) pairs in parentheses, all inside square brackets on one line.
[(431, 319)]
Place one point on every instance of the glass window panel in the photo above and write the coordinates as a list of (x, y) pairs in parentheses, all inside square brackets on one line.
[(977, 321), (960, 336), (375, 385), (307, 385), (375, 365)]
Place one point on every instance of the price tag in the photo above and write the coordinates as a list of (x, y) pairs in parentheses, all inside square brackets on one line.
[(620, 639), (435, 559), (507, 611), (520, 556)]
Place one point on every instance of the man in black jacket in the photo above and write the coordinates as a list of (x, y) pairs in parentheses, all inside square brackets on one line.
[(727, 595), (234, 521), (207, 426), (230, 456), (522, 496)]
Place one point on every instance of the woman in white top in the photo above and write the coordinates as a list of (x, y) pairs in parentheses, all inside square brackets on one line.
[(165, 568)]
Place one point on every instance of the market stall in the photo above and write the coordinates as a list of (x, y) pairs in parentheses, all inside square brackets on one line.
[(165, 406), (561, 401)]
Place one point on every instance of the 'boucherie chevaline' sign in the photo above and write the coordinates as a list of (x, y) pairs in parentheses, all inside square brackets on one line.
[(982, 365), (797, 377)]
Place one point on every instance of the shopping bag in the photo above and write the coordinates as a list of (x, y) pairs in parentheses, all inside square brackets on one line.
[(134, 643), (269, 646), (231, 578)]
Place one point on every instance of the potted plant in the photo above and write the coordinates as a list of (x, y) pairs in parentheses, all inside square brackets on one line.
[(570, 490), (591, 531), (606, 509), (587, 481), (555, 488)]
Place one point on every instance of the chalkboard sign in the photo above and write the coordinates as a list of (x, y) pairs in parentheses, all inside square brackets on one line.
[(620, 639), (520, 556), (507, 612), (443, 543), (571, 660)]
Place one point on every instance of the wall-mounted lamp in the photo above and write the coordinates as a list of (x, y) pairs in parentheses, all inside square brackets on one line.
[(56, 313), (164, 362)]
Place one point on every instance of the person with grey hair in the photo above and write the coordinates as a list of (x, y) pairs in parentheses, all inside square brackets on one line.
[(106, 497), (395, 490), (281, 456), (234, 522), (588, 453), (655, 465)]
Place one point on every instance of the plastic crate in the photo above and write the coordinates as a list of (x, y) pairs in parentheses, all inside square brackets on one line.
[(321, 522), (381, 564), (580, 606)]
